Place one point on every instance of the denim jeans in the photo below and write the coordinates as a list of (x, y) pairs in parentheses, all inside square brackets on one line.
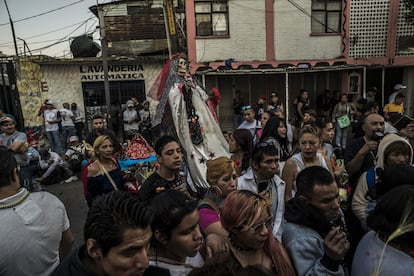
[(68, 131), (54, 141), (341, 135)]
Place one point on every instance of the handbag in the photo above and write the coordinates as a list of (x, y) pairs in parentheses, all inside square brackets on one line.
[(344, 121)]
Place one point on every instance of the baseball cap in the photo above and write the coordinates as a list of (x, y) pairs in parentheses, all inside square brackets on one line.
[(262, 98), (6, 118), (274, 94), (49, 102), (130, 103), (73, 138), (145, 102), (399, 86)]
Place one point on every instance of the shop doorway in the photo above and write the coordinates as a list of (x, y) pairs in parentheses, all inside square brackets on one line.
[(120, 92)]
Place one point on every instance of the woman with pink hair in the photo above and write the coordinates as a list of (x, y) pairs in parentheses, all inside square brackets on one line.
[(247, 218)]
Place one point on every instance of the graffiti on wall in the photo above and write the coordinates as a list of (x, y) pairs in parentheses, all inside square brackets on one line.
[(30, 94)]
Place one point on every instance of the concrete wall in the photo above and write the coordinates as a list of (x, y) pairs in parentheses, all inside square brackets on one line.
[(293, 40), (62, 83), (247, 39)]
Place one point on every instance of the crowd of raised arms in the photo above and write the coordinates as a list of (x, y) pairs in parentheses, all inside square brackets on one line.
[(328, 193)]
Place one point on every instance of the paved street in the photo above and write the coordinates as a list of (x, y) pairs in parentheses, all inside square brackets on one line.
[(71, 195)]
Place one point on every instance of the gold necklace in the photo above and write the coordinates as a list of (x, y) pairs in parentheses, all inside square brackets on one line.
[(17, 202)]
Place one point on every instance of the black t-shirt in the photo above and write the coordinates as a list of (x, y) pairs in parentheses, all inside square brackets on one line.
[(72, 264), (351, 150), (149, 189)]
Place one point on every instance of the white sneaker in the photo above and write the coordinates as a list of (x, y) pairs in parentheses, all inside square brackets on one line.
[(72, 178)]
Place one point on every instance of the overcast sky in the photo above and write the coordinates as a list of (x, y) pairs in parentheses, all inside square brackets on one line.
[(62, 24)]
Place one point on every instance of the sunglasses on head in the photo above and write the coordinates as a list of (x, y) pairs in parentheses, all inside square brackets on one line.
[(264, 144), (246, 107)]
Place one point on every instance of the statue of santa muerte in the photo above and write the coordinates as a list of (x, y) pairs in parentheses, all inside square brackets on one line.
[(187, 111)]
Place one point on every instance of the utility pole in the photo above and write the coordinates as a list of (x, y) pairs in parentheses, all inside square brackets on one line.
[(12, 28), (104, 59), (169, 18)]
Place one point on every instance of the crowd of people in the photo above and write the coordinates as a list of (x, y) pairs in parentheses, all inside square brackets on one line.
[(291, 198)]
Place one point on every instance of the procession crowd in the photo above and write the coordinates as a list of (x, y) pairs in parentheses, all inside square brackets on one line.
[(328, 193)]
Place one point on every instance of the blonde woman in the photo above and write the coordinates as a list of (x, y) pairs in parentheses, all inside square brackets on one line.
[(103, 174), (222, 177)]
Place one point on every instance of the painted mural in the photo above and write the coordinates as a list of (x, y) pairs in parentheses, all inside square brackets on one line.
[(28, 83)]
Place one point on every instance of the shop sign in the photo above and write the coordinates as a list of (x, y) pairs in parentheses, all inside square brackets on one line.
[(115, 72)]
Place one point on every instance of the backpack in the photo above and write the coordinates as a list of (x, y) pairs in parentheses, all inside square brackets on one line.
[(371, 179)]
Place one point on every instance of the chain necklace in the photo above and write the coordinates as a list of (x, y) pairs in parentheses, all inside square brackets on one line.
[(239, 248), (17, 202)]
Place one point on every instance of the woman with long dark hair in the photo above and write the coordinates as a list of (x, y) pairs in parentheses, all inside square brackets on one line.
[(303, 104), (275, 132), (241, 146)]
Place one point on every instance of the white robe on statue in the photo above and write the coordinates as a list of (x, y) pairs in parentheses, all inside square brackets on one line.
[(213, 145)]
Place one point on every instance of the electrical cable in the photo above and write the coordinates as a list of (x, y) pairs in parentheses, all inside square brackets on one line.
[(43, 13), (61, 39), (42, 34)]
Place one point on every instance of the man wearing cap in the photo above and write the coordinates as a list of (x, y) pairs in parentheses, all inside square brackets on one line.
[(51, 120), (395, 110), (16, 141), (260, 107), (131, 119), (275, 104), (75, 153), (398, 88)]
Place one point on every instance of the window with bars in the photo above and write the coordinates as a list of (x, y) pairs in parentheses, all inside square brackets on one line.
[(212, 18), (326, 16)]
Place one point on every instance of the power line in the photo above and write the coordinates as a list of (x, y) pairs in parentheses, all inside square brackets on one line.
[(42, 34), (60, 28), (43, 13), (61, 39)]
